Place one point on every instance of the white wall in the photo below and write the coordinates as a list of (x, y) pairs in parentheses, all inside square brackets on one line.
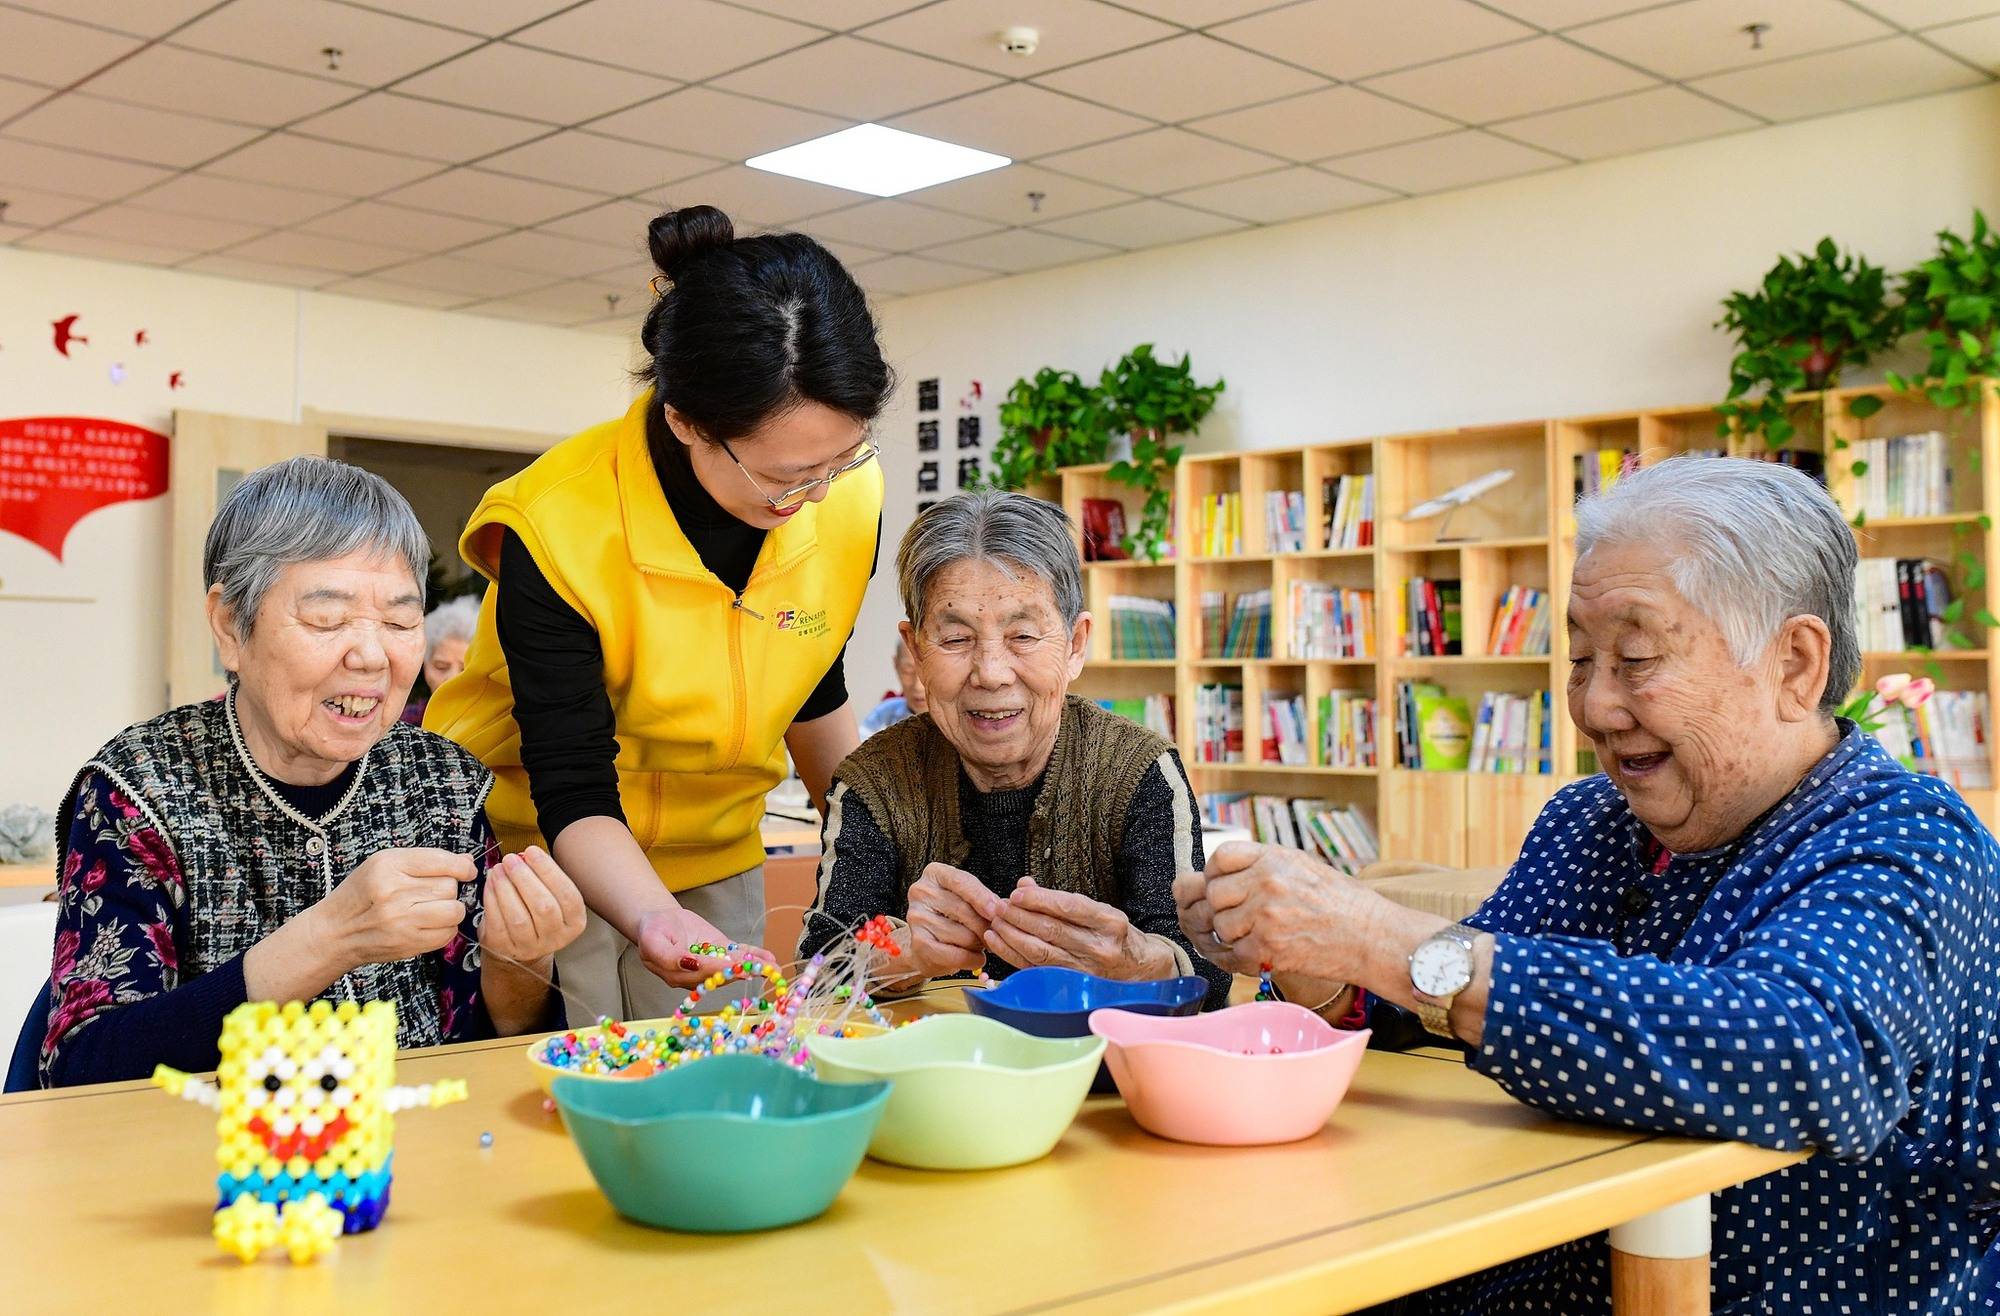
[(1588, 289), (78, 672)]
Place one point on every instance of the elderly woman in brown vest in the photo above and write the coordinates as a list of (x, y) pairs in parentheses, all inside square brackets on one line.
[(1012, 824)]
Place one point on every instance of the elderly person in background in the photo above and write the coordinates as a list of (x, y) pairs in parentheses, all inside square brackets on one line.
[(293, 839), (448, 632), (909, 699), (1013, 824), (1754, 925)]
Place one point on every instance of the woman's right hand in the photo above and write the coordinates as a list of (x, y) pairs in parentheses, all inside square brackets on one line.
[(664, 939), (949, 913), (397, 904)]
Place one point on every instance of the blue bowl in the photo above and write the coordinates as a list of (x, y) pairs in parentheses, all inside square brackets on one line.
[(1054, 1002), (736, 1142)]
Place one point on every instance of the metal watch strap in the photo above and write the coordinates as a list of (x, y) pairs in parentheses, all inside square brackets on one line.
[(1435, 1018)]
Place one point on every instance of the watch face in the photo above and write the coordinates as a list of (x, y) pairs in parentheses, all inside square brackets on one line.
[(1440, 967)]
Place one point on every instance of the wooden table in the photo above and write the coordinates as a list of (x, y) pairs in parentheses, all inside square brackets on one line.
[(28, 875), (1426, 1172)]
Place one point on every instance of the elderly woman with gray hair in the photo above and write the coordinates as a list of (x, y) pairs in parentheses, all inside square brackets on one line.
[(1011, 824), (1754, 924), (292, 839)]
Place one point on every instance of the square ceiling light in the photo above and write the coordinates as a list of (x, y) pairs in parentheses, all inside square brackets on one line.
[(876, 160)]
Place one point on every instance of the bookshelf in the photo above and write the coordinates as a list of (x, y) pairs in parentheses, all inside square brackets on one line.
[(1521, 534)]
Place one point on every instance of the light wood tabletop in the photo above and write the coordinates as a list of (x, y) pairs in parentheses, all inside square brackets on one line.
[(28, 875), (1427, 1171)]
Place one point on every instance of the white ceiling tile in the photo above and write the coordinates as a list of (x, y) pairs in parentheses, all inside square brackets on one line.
[(1354, 38), (895, 226), (319, 252), (46, 50), (535, 84), (1138, 224), (630, 280), (1840, 79), (1323, 123), (390, 122), (197, 83), (515, 309), (1558, 14), (290, 34), (1282, 195), (1019, 121), (573, 302), (1183, 78), (854, 79), (229, 198), (1706, 36), (72, 172), (255, 271), (1511, 81), (1978, 41), (1928, 13), (1624, 124), (834, 15), (967, 32), (1001, 195), (143, 18), (496, 198), (754, 198), (1440, 163), (1201, 13), (450, 274), (714, 123), (699, 40), (545, 253), (155, 228), (79, 244), (17, 96), (489, 18), (904, 275), (397, 226), (382, 291), (1018, 250), (1164, 160), (31, 209), (291, 161), (616, 223), (135, 133), (849, 254), (609, 165)]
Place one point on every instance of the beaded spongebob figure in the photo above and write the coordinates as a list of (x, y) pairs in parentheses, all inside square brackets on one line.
[(306, 1112)]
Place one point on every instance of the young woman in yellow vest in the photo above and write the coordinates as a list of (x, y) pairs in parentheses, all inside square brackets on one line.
[(672, 594)]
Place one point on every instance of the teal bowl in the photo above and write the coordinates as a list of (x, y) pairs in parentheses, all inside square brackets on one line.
[(735, 1143)]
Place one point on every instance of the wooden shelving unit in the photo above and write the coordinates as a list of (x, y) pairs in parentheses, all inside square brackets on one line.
[(1522, 533)]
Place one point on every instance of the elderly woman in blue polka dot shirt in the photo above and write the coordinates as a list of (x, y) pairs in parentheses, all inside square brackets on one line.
[(1754, 925)]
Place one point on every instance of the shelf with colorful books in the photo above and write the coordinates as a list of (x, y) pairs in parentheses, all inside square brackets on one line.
[(1327, 817), (1341, 494), (1213, 509)]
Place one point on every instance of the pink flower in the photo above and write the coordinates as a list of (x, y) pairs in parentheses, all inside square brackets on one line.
[(1891, 687), (1918, 691), (164, 950), (152, 851), (68, 942), (80, 1000), (121, 806), (95, 878), (72, 865)]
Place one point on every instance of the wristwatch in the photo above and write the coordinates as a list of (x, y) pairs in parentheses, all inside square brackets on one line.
[(1441, 968)]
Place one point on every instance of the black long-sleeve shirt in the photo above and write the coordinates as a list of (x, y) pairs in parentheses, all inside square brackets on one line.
[(858, 869), (556, 662)]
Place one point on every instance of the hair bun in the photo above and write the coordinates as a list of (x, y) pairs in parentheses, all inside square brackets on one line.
[(679, 235)]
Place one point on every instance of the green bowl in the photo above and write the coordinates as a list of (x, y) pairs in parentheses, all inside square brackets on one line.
[(970, 1093), (737, 1142)]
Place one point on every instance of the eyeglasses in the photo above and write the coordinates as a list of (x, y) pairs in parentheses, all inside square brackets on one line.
[(796, 495)]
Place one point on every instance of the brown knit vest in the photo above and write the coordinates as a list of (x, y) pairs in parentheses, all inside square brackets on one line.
[(907, 775)]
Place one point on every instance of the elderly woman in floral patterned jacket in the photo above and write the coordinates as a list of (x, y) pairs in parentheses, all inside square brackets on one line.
[(293, 839)]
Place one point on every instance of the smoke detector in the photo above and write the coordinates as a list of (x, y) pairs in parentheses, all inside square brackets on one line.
[(1021, 41)]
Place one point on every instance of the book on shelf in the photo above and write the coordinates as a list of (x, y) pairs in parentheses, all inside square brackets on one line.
[(1218, 723), (1521, 624), (1344, 730), (1429, 623), (1248, 632), (1328, 621), (1434, 728), (1946, 737), (1103, 530), (1810, 460), (1218, 525), (1900, 603), (1512, 733), (1286, 738), (1285, 520), (1340, 834), (1153, 712), (1348, 503), (1597, 472), (1141, 627), (1908, 475)]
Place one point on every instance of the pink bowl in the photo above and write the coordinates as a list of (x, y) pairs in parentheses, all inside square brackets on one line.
[(1258, 1073)]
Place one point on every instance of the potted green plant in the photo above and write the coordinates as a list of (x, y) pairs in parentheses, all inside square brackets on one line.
[(1151, 401), (1812, 316), (1048, 421), (1953, 300)]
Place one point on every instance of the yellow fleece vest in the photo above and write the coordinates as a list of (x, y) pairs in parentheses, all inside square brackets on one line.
[(703, 684)]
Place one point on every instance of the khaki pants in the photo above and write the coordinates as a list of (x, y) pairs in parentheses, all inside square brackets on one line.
[(602, 973)]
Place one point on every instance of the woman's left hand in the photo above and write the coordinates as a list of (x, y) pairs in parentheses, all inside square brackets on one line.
[(1258, 905), (1040, 926), (533, 910)]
